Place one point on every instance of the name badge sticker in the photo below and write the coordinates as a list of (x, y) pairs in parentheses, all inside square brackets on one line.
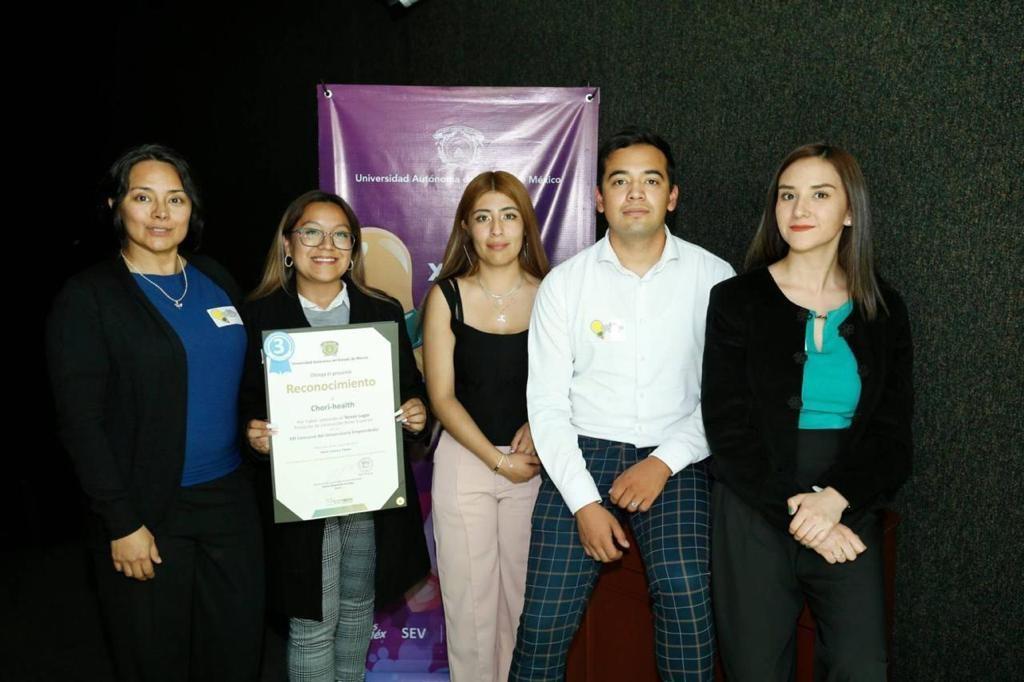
[(612, 331), (224, 316)]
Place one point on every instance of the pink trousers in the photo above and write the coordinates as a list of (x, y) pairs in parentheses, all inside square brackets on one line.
[(482, 533)]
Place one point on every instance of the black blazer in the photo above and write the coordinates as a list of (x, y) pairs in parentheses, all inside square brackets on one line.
[(751, 388), (293, 550), (119, 375)]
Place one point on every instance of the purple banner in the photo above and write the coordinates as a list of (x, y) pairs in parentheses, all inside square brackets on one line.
[(401, 156)]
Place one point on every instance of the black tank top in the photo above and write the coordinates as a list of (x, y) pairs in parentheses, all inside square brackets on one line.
[(490, 373)]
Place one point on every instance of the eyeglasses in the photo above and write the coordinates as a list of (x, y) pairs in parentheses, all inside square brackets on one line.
[(313, 237)]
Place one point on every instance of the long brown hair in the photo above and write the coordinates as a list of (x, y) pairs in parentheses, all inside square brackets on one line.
[(459, 256), (856, 255), (277, 276)]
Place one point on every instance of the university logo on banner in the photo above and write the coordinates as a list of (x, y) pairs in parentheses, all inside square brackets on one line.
[(401, 156)]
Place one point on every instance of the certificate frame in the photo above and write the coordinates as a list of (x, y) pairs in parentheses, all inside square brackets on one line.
[(285, 350)]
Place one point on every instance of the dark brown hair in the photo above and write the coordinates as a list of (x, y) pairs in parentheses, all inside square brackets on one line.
[(856, 255), (120, 174), (277, 276), (627, 137)]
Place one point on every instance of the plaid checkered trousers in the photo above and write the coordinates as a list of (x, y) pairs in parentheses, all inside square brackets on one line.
[(673, 541)]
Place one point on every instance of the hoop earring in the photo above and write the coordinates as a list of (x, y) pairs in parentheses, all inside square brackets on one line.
[(466, 251), (351, 262), (526, 249), (288, 262)]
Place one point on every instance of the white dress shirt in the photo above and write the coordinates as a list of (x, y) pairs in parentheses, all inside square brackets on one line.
[(617, 356), (340, 300)]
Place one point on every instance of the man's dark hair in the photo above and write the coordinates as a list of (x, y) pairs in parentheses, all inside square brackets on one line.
[(627, 137)]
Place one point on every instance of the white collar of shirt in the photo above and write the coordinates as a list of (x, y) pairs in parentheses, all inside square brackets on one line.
[(670, 252), (340, 300)]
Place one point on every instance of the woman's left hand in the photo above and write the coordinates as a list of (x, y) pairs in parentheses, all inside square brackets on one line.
[(841, 545), (413, 415), (522, 442), (814, 515)]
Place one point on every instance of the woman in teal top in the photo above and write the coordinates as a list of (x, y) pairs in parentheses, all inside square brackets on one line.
[(806, 399)]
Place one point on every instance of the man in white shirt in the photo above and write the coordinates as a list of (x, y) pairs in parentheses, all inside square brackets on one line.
[(616, 340)]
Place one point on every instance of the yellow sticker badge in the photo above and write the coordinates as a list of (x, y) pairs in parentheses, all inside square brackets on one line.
[(597, 328), (224, 316)]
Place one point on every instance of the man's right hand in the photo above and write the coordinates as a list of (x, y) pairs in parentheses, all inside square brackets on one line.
[(135, 554), (599, 533)]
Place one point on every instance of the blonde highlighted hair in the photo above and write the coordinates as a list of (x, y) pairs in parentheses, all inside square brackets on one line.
[(459, 256)]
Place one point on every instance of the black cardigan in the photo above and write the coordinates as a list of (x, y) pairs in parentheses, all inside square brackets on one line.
[(293, 549), (751, 388), (120, 383)]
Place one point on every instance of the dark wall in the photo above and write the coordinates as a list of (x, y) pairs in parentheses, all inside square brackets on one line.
[(926, 95)]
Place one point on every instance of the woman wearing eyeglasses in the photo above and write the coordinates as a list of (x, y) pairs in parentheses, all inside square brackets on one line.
[(326, 575)]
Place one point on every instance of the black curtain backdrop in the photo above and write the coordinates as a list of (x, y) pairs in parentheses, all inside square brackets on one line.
[(926, 95)]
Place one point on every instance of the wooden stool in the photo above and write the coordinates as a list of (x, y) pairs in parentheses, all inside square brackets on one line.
[(616, 637)]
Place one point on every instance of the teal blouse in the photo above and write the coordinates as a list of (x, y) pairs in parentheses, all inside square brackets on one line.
[(831, 385)]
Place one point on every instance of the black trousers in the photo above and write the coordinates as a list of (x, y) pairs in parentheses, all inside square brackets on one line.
[(761, 577), (201, 617)]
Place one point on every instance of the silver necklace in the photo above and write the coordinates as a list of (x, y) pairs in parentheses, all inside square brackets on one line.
[(176, 301), (498, 300)]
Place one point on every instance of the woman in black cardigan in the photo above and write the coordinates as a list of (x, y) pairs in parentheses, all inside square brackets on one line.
[(807, 403), (145, 352), (326, 575)]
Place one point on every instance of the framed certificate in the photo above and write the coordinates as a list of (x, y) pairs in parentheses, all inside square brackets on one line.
[(332, 394)]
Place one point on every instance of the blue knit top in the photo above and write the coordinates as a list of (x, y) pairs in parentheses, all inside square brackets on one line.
[(214, 342)]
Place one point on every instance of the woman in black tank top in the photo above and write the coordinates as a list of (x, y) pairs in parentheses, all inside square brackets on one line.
[(485, 466)]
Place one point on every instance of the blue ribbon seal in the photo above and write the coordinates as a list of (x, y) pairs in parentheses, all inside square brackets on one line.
[(278, 348)]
